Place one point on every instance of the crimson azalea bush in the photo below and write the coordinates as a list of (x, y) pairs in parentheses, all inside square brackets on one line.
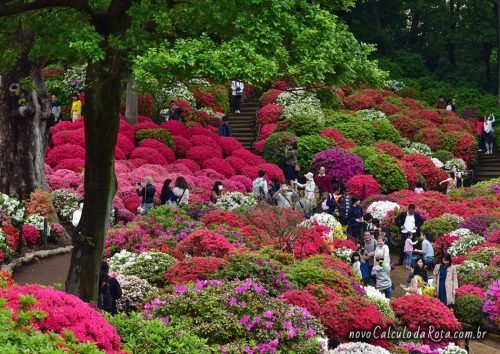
[(64, 312), (340, 164), (64, 152), (201, 153), (466, 290), (336, 136), (462, 144), (160, 147), (389, 148), (30, 234), (363, 186), (204, 243), (431, 136), (270, 96), (151, 155), (406, 125), (222, 217), (268, 114), (194, 268), (424, 166)]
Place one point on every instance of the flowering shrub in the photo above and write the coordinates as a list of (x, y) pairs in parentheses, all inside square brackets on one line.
[(235, 200), (150, 266), (222, 217), (194, 268), (465, 244), (358, 348), (151, 155), (406, 126), (244, 311), (310, 113), (425, 167), (442, 225), (387, 147), (340, 164), (363, 186), (297, 96), (204, 243), (432, 137), (492, 302), (462, 145), (483, 255), (458, 163), (64, 152), (387, 171), (119, 261), (64, 312), (470, 290), (270, 96), (469, 271), (337, 137), (268, 114), (380, 209), (479, 223), (135, 292), (201, 153), (30, 234), (162, 148), (417, 148)]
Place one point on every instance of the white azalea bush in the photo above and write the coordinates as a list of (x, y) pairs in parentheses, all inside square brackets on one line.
[(343, 253), (459, 163), (437, 162), (462, 232), (235, 200), (324, 219), (151, 266), (6, 252), (371, 114), (121, 260), (469, 267), (381, 208), (396, 85), (417, 148), (135, 291), (37, 221), (465, 244), (380, 301), (452, 348), (299, 109), (179, 90), (66, 203), (297, 95), (13, 207), (358, 348)]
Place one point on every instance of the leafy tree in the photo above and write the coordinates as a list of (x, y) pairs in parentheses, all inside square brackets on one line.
[(257, 40)]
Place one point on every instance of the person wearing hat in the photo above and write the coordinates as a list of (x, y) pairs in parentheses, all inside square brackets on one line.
[(309, 187)]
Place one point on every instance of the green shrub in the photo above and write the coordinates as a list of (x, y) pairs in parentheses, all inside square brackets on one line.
[(365, 152), (441, 225), (484, 255), (384, 130), (304, 124), (143, 336), (396, 101), (387, 171), (151, 266), (158, 134), (328, 98), (443, 155), (309, 145), (332, 118), (468, 309), (277, 256), (357, 130), (274, 147)]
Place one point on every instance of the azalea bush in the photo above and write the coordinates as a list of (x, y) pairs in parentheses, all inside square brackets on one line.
[(387, 172), (135, 292), (235, 200), (363, 186), (358, 347), (464, 244), (441, 225), (309, 146), (380, 209), (150, 266), (205, 243), (468, 309), (492, 302), (340, 164), (192, 269)]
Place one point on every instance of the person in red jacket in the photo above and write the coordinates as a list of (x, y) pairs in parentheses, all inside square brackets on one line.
[(323, 182)]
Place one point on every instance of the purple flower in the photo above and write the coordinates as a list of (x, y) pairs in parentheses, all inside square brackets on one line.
[(291, 333), (244, 320), (233, 301), (287, 324), (310, 333), (243, 304), (268, 314)]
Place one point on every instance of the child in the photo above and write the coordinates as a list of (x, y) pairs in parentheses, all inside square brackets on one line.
[(356, 263), (74, 116), (409, 249), (365, 269), (382, 272)]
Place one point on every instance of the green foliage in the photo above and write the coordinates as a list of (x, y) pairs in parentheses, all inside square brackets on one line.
[(387, 172), (304, 124), (274, 147), (443, 155), (358, 130), (441, 225), (365, 152), (277, 256), (484, 255), (161, 135), (383, 306), (309, 145), (151, 266), (17, 335), (328, 98), (332, 118), (468, 309), (143, 336), (384, 130)]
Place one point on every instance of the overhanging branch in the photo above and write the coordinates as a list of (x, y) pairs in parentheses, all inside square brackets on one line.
[(7, 9)]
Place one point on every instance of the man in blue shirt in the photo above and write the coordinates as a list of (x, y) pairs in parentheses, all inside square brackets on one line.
[(427, 251)]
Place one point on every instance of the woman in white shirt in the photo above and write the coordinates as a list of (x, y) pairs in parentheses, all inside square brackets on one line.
[(77, 215), (382, 251), (488, 134), (310, 187), (181, 191), (237, 87)]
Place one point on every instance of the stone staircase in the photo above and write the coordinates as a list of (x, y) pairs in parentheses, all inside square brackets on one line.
[(243, 124), (487, 167)]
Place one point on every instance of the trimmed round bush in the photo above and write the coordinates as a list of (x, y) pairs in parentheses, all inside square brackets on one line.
[(304, 124), (389, 148), (274, 146), (363, 186), (270, 113), (309, 145), (365, 152), (332, 118), (151, 266), (384, 130), (340, 164), (387, 172), (357, 130), (468, 309), (443, 155)]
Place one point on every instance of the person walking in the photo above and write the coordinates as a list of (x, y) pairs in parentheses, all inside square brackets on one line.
[(356, 221), (409, 243), (382, 273), (237, 88), (147, 194), (452, 182), (181, 192), (259, 185), (109, 291), (225, 128), (166, 194), (216, 192), (409, 223), (446, 278), (489, 138), (291, 166), (345, 204), (323, 182), (56, 109), (427, 251)]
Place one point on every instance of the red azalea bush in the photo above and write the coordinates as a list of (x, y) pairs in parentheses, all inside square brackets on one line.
[(304, 299), (201, 153), (470, 290), (204, 140), (228, 145), (64, 152), (220, 166), (266, 131), (430, 116), (150, 155), (12, 236), (204, 243), (420, 312), (410, 173), (244, 180), (188, 133), (236, 163), (125, 144), (193, 269), (412, 104), (444, 242), (30, 234), (182, 145), (193, 166), (430, 204), (407, 126), (270, 113), (75, 165), (424, 166), (145, 126), (388, 108), (248, 157), (64, 312), (339, 243), (363, 186), (73, 137), (280, 85), (336, 136), (308, 241), (272, 171), (222, 217), (174, 127), (431, 136), (204, 98), (188, 111), (462, 144), (270, 96), (387, 147), (360, 101), (163, 149)]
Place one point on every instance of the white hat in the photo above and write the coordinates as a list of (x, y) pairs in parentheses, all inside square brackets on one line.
[(309, 176)]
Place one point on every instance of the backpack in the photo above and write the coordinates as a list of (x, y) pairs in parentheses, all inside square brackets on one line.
[(105, 300)]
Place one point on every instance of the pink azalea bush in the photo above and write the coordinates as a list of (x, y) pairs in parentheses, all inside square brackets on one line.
[(340, 164)]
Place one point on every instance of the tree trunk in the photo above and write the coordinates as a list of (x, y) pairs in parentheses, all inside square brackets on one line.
[(103, 95), (25, 117), (415, 22), (131, 111), (486, 50), (497, 3), (375, 15)]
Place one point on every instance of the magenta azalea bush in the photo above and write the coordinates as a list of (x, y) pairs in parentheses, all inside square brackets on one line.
[(340, 164), (492, 302)]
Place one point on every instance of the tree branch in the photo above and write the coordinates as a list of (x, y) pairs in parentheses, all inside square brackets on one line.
[(14, 9)]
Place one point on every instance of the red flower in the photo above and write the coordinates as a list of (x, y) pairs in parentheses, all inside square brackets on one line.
[(125, 144), (63, 152), (205, 98), (424, 166), (336, 136), (270, 96), (193, 166), (248, 157), (430, 115), (407, 126), (266, 131), (204, 243), (431, 136), (76, 165), (204, 140), (388, 108), (201, 153), (387, 147), (272, 171), (270, 113), (12, 235), (222, 217), (220, 166), (30, 234), (363, 186), (228, 145), (174, 127), (163, 149), (150, 155), (280, 85), (412, 104), (193, 269), (303, 299), (73, 137)]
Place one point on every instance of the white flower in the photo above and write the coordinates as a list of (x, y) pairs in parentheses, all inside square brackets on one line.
[(380, 209), (121, 260), (37, 221), (179, 90), (358, 348), (458, 163), (437, 162), (372, 292), (66, 203), (13, 207), (465, 244), (298, 109), (343, 253), (462, 232), (469, 266), (371, 114), (395, 85), (235, 200), (135, 290), (417, 148), (297, 95), (451, 348)]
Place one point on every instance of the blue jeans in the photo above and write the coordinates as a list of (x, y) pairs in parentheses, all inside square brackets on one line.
[(409, 257), (387, 292), (147, 207)]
